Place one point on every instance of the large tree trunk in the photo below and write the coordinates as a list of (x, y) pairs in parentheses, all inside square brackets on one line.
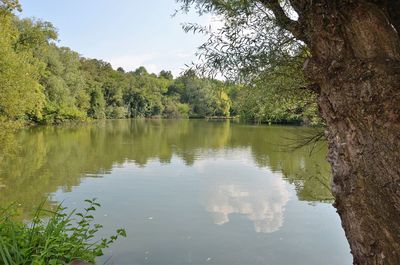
[(361, 107), (356, 70)]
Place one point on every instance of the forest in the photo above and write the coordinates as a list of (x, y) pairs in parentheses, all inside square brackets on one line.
[(43, 83)]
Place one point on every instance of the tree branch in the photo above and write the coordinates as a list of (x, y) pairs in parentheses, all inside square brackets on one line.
[(393, 7), (283, 20)]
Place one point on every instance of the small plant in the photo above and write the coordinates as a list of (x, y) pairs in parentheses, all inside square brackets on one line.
[(53, 237)]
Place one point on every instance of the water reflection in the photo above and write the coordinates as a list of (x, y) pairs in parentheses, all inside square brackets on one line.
[(261, 200), (47, 158), (188, 192)]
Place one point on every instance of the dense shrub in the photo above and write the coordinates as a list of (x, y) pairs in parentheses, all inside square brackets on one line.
[(52, 237)]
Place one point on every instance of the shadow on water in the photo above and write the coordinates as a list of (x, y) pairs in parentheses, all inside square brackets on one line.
[(36, 162)]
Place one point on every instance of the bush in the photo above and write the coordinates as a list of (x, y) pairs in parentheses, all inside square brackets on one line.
[(183, 110), (52, 237), (116, 112), (174, 109)]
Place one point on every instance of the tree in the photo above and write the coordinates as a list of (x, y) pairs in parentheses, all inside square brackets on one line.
[(141, 71), (166, 74), (97, 104), (353, 66), (21, 94), (42, 82), (278, 96), (10, 5)]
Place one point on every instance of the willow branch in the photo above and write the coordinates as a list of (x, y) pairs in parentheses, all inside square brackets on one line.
[(283, 20)]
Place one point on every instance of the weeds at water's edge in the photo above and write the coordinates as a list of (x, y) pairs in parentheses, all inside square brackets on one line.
[(53, 237)]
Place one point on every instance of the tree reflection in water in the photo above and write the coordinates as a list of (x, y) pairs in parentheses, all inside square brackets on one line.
[(36, 162)]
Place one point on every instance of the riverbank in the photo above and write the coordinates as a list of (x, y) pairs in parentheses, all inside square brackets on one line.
[(15, 125)]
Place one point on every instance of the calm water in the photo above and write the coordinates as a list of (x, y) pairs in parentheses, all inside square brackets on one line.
[(187, 192)]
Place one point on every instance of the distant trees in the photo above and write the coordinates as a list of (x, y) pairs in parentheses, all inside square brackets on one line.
[(43, 83), (20, 90), (279, 96), (205, 97)]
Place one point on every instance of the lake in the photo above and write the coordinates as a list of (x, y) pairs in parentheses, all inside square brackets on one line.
[(186, 191)]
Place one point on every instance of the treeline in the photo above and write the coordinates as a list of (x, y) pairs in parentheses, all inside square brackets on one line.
[(279, 95), (43, 83)]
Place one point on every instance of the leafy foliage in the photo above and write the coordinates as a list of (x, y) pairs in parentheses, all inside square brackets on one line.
[(248, 41), (253, 48), (10, 5), (43, 83), (279, 96), (21, 92), (52, 237), (48, 84)]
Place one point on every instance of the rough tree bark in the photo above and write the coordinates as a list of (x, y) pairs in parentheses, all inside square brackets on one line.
[(355, 69)]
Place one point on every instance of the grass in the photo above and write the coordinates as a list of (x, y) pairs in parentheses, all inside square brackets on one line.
[(52, 237)]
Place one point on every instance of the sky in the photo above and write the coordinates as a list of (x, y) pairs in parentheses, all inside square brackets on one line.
[(126, 33)]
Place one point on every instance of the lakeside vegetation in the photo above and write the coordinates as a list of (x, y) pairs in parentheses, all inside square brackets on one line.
[(52, 237), (43, 83)]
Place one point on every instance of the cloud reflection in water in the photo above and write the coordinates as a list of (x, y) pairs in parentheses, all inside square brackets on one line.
[(258, 194)]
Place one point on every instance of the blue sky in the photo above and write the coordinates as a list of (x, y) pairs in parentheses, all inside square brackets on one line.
[(126, 33)]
